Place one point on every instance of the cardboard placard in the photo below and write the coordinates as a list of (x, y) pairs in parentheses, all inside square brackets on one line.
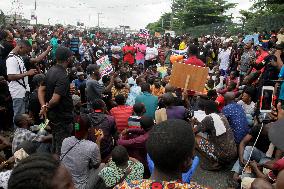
[(195, 75), (105, 66)]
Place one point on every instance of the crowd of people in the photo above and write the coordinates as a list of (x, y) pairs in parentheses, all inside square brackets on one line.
[(65, 125)]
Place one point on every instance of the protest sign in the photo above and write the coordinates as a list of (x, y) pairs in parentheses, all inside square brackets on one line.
[(105, 66), (144, 33), (195, 75), (158, 34), (252, 38)]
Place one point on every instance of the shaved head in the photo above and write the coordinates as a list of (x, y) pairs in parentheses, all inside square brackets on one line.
[(169, 88), (229, 97), (259, 183)]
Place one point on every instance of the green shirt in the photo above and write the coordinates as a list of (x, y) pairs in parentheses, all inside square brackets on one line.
[(150, 101), (111, 174), (54, 44)]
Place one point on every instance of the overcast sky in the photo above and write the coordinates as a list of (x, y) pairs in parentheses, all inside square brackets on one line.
[(134, 13)]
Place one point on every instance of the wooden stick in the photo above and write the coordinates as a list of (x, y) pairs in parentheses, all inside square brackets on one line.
[(186, 82)]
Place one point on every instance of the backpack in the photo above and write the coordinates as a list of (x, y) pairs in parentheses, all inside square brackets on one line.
[(3, 69)]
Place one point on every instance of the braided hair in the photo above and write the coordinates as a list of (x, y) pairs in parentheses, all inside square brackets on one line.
[(35, 172)]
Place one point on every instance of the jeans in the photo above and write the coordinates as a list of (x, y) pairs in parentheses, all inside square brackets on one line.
[(223, 72), (249, 119), (59, 131), (19, 106), (140, 62), (257, 155)]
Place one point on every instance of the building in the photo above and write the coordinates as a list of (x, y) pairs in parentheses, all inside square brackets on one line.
[(18, 19)]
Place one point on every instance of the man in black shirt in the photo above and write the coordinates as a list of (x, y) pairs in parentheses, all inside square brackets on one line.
[(55, 98), (246, 146), (98, 51)]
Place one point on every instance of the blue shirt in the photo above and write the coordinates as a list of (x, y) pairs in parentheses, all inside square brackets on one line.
[(281, 75), (150, 102), (78, 83), (237, 120)]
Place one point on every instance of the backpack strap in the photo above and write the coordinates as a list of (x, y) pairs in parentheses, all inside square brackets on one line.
[(21, 72)]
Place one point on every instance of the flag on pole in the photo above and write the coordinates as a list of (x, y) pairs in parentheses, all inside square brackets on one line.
[(33, 15)]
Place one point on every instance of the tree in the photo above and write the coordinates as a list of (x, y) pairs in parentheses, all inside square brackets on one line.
[(164, 23), (200, 12), (263, 15), (269, 6), (2, 18)]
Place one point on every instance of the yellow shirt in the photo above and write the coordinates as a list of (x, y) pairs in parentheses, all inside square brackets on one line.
[(182, 46)]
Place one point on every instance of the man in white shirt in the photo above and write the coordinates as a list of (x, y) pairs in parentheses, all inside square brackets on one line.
[(18, 75), (151, 55), (224, 59)]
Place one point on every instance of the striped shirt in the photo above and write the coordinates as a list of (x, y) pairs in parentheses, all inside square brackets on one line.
[(134, 121), (74, 44), (121, 113)]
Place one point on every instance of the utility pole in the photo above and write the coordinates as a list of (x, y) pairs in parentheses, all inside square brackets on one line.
[(99, 20), (172, 15), (35, 13)]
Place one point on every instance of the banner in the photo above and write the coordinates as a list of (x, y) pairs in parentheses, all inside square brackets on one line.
[(158, 34), (144, 33), (180, 52), (33, 15), (253, 38), (105, 66), (189, 77)]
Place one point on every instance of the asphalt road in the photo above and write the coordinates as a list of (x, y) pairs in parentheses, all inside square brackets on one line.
[(214, 179)]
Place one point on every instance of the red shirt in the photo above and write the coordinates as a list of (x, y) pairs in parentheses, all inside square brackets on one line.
[(221, 102), (193, 60), (128, 57), (259, 59), (121, 114)]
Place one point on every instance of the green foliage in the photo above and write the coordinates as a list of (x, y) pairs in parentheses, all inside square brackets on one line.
[(2, 18), (201, 12), (269, 6), (191, 13), (164, 23), (264, 15)]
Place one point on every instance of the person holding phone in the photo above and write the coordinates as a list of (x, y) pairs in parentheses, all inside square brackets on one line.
[(18, 76)]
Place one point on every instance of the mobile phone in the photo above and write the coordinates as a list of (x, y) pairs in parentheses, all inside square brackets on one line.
[(266, 99)]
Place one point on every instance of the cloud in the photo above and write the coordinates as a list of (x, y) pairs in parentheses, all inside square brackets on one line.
[(135, 13)]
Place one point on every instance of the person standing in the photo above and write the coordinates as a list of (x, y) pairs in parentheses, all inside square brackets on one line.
[(116, 51), (128, 53), (18, 76), (84, 51), (54, 44), (151, 55), (55, 98), (224, 59), (140, 52), (74, 45)]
